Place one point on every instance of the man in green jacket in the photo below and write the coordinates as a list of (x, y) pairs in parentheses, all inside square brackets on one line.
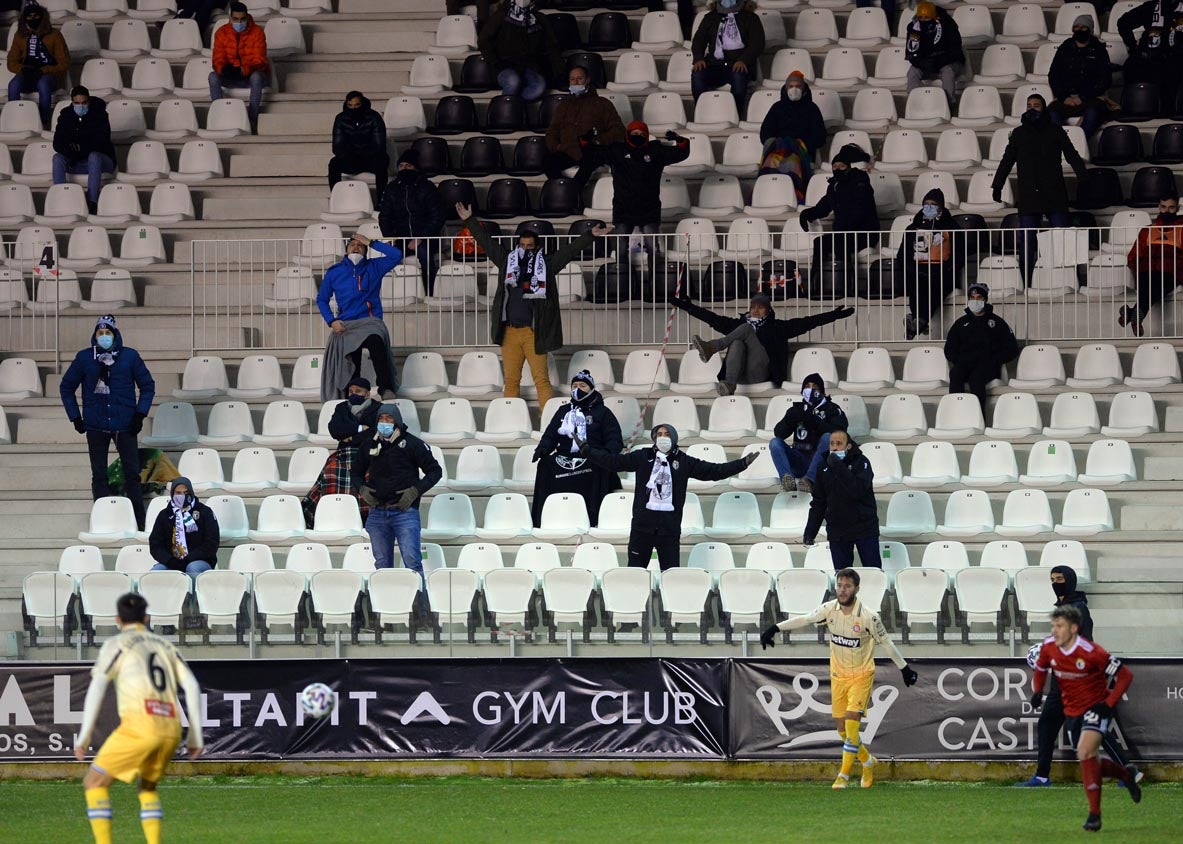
[(524, 318)]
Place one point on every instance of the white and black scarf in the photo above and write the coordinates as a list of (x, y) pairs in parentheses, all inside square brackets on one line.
[(521, 15), (107, 359), (756, 322), (728, 37), (574, 425), (183, 523), (534, 271), (661, 485)]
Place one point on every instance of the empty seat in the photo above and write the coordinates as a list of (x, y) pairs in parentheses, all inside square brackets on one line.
[(304, 467), (112, 520), (1073, 415), (967, 513), (1025, 513), (173, 423), (814, 28), (254, 470), (451, 420), (1097, 365), (1050, 463), (337, 519), (1023, 24), (959, 415), (903, 149), (1155, 365), (478, 374), (229, 422), (204, 467), (933, 464), (927, 107), (920, 596), (141, 246), (901, 416), (258, 376), (909, 512), (1016, 415), (1131, 415), (284, 422), (226, 118), (645, 370), (1109, 462), (280, 519), (1086, 513), (564, 516), (949, 557), (885, 463), (991, 464), (731, 418), (873, 109), (736, 515)]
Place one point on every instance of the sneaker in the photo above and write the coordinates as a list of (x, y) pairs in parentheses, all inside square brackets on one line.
[(844, 780), (725, 388), (1128, 315), (389, 395), (869, 772), (1034, 782), (705, 350), (804, 485), (788, 483), (1131, 783), (1093, 824), (909, 327)]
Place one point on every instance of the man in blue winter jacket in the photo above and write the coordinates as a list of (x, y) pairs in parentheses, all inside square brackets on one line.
[(109, 374), (356, 283)]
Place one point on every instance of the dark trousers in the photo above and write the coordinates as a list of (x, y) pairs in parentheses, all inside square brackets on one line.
[(1028, 240), (99, 445), (1051, 722), (1092, 114), (376, 162), (379, 357), (712, 76), (1153, 287), (972, 378), (926, 288), (200, 10), (842, 552), (429, 261), (557, 162), (642, 543)]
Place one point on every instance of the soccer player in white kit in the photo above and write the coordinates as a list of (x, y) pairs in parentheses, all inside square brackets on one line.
[(854, 630)]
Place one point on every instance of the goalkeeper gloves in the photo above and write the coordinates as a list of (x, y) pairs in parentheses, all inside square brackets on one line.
[(1037, 700), (768, 638), (910, 675)]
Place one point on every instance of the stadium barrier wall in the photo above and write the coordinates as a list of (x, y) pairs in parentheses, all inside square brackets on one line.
[(586, 709)]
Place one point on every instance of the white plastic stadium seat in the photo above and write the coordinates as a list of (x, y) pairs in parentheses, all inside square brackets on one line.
[(1050, 464), (173, 423), (141, 246), (933, 464), (1025, 513), (901, 416), (991, 464), (731, 418), (1016, 415), (1074, 415), (1132, 414), (1023, 24), (112, 520), (337, 519), (1097, 365), (564, 515), (477, 468), (1086, 513), (1066, 552), (909, 512), (1155, 365), (885, 463), (967, 513), (280, 519), (1109, 462), (959, 416), (869, 369)]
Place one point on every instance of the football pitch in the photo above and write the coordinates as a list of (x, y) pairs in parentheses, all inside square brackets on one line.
[(328, 810)]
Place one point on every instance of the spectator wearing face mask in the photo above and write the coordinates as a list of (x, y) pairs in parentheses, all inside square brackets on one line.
[(757, 343), (1037, 147), (185, 535), (561, 468), (637, 165), (792, 132), (411, 208), (801, 439), (38, 60), (978, 345), (850, 198), (663, 472), (240, 60), (1157, 54), (726, 48), (1156, 260), (584, 113), (524, 317), (352, 423), (395, 469), (844, 498), (355, 282), (109, 375), (359, 142), (522, 48), (1080, 77), (82, 143), (931, 259), (932, 47)]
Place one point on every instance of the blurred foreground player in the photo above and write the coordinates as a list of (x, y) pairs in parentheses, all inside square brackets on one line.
[(855, 630), (1084, 671), (147, 672)]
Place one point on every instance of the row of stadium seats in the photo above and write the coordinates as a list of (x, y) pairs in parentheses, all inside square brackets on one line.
[(175, 119), (147, 164), (119, 204)]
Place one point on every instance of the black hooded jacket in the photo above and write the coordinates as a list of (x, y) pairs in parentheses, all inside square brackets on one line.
[(683, 467), (930, 45), (91, 132), (1081, 71), (774, 334), (410, 207), (1073, 598), (343, 425), (1036, 148), (405, 462), (851, 199), (603, 429), (202, 543), (844, 495), (358, 130), (985, 338), (803, 424), (636, 177), (801, 119)]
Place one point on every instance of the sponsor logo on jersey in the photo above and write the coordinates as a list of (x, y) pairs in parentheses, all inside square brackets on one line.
[(160, 708), (845, 641)]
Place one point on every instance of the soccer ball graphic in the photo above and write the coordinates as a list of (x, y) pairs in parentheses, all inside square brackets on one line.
[(317, 700), (1033, 654)]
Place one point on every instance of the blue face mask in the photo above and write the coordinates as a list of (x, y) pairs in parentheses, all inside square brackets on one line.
[(930, 212), (239, 26), (385, 429), (81, 110), (105, 341), (841, 455)]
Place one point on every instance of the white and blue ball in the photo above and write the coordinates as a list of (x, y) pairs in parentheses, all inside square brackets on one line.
[(317, 700)]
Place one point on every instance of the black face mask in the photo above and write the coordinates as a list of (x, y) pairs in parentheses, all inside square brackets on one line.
[(1168, 216), (33, 22), (357, 400), (1061, 590), (1081, 37), (637, 141), (1032, 117)]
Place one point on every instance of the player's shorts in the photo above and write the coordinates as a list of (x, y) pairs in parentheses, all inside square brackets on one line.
[(850, 694), (129, 752), (1089, 720)]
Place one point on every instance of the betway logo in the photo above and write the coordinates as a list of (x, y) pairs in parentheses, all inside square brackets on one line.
[(425, 705)]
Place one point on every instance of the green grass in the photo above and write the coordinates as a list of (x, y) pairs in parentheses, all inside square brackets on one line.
[(336, 810)]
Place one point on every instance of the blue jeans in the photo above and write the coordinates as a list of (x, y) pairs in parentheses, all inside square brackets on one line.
[(794, 461), (1092, 114), (1028, 241), (388, 526), (527, 84), (842, 552), (256, 82), (94, 166), (192, 569), (44, 87), (715, 75)]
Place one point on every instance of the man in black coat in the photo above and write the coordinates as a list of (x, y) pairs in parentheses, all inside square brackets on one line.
[(851, 199), (411, 208), (82, 143), (354, 419), (933, 48), (1080, 77), (359, 143), (660, 496), (185, 535), (757, 342), (930, 257), (1156, 56), (1036, 147), (802, 437), (562, 467), (844, 496), (978, 345)]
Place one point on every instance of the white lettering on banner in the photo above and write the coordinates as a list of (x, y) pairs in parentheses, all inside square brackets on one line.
[(62, 713), (981, 736), (491, 714), (983, 684), (361, 698), (270, 711), (425, 704), (236, 699), (683, 709), (14, 712), (1175, 694)]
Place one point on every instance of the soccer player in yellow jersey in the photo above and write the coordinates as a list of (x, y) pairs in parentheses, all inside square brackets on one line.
[(147, 672), (854, 630)]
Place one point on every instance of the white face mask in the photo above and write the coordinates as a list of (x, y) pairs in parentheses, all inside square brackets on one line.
[(976, 306), (664, 444), (807, 393), (355, 258), (794, 94), (179, 499)]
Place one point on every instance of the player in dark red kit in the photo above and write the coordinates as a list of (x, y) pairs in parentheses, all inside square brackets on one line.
[(1084, 671)]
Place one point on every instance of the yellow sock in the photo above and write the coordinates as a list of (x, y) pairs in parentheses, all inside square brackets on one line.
[(863, 753), (850, 746), (151, 816), (98, 809)]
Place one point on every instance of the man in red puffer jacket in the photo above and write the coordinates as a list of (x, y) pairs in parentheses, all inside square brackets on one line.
[(240, 60)]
